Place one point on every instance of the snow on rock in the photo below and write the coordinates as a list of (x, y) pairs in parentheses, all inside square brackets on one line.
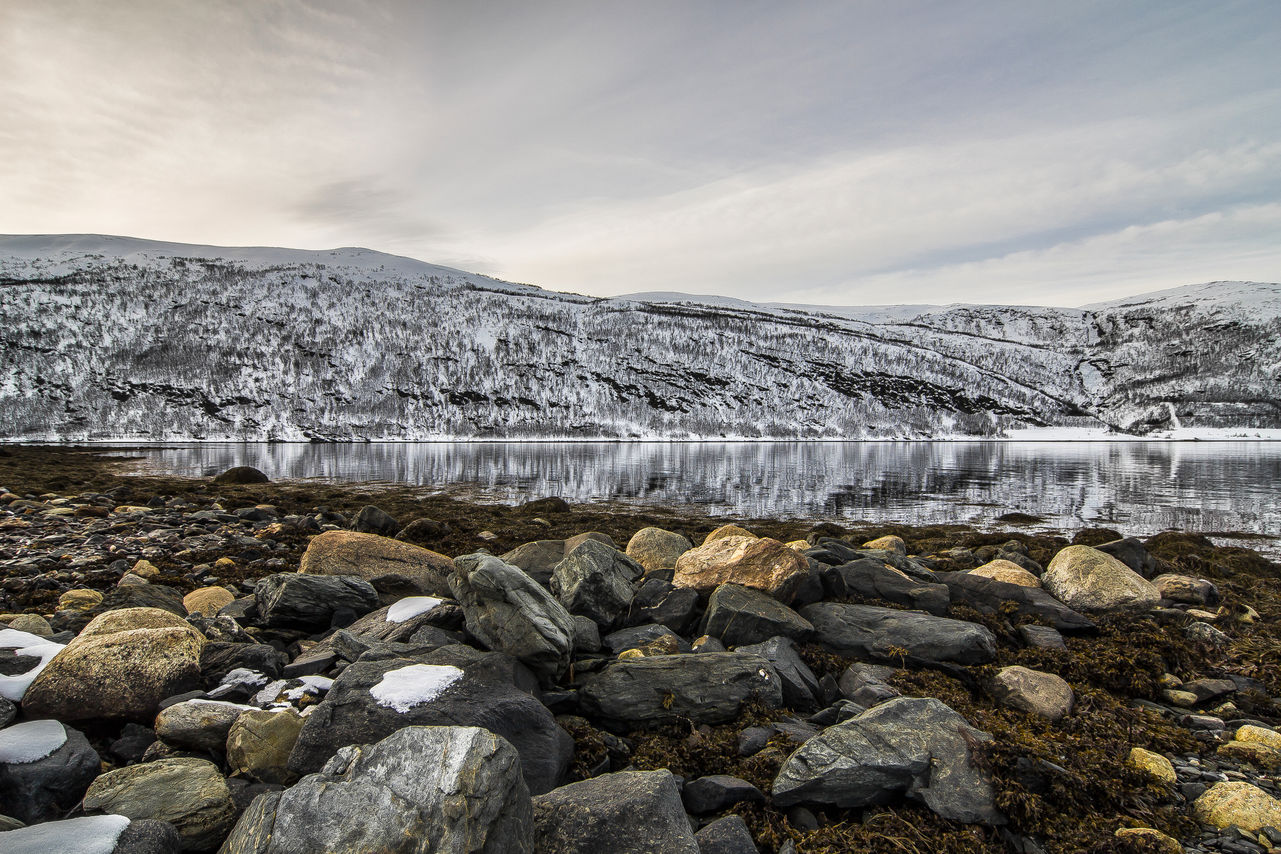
[(31, 740), (410, 607), (95, 834), (313, 685), (410, 686), (25, 644)]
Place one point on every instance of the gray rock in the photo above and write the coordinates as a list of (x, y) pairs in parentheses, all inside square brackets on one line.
[(715, 792), (1132, 553), (630, 812), (398, 796), (537, 559), (867, 631), (873, 578), (659, 601), (728, 835), (241, 475), (190, 794), (800, 686), (45, 787), (375, 520), (1092, 580), (1186, 589), (989, 596), (485, 694), (198, 724), (8, 711), (510, 612), (1032, 691), (909, 747), (865, 684), (638, 636), (149, 836), (586, 635), (294, 600), (1042, 637), (706, 688), (742, 615), (596, 581)]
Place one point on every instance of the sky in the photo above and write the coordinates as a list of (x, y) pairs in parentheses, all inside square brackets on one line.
[(839, 153)]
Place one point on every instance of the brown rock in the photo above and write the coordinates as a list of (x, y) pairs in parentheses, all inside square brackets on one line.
[(207, 600), (144, 569), (394, 568), (259, 743), (761, 563), (727, 531), (889, 543), (1007, 571)]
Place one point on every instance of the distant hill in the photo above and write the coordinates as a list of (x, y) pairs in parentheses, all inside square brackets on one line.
[(117, 338)]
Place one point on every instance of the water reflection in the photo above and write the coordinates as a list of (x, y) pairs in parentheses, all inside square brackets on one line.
[(1138, 487)]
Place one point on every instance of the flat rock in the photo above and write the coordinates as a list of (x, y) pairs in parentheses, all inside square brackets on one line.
[(190, 794), (868, 631), (1237, 803), (762, 563), (800, 686), (420, 789), (198, 724), (309, 602), (628, 812), (875, 579), (728, 835), (241, 475), (1087, 579), (393, 567), (739, 615), (94, 834), (1186, 589), (916, 748), (991, 596)]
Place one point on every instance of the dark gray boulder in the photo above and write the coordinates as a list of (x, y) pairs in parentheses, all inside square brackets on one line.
[(867, 631), (728, 835), (742, 615), (988, 596), (801, 689), (241, 475), (309, 602), (705, 688), (1132, 553), (874, 579), (865, 684), (434, 788), (716, 792), (629, 812), (8, 711), (149, 836), (45, 768), (657, 600), (375, 520), (510, 612), (475, 689), (595, 581), (160, 596), (113, 833), (911, 747), (634, 637)]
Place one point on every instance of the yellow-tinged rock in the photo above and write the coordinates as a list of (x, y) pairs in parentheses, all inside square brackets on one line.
[(1252, 752), (223, 564), (655, 548), (1007, 571), (758, 562), (889, 543), (1151, 838), (1252, 734), (207, 600), (799, 545), (1154, 765), (80, 599), (144, 569), (1235, 802), (727, 531), (131, 508), (391, 566)]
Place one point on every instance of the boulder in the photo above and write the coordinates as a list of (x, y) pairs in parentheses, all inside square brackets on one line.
[(705, 688), (140, 594), (259, 743), (660, 601), (393, 567), (888, 543), (551, 504), (207, 600), (628, 812), (800, 686), (655, 548), (595, 581), (1034, 692), (992, 597), (727, 531), (510, 612), (99, 834), (45, 768), (420, 789), (763, 564), (865, 684), (1090, 580), (728, 835), (716, 792), (310, 602), (537, 559), (188, 793), (741, 615), (1237, 803), (241, 475), (198, 724), (868, 631), (375, 520), (910, 747), (871, 578), (1148, 839), (79, 599), (423, 531), (1007, 572), (451, 686), (121, 665), (1186, 589), (1132, 553)]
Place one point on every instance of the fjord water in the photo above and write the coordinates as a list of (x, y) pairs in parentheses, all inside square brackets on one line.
[(1136, 487)]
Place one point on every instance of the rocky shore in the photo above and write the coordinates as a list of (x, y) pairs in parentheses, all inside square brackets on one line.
[(235, 665)]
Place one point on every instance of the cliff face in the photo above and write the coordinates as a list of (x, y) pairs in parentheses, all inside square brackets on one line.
[(117, 338)]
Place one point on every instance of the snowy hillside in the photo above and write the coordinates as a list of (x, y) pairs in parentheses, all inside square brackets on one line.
[(108, 337)]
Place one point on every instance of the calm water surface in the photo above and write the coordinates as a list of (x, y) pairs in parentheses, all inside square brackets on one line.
[(1136, 487)]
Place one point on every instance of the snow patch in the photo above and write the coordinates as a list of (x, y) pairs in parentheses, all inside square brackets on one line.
[(241, 677), (414, 685), (314, 685), (25, 644), (94, 834), (410, 607), (29, 741)]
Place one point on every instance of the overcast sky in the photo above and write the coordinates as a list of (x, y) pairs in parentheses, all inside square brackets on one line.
[(841, 153)]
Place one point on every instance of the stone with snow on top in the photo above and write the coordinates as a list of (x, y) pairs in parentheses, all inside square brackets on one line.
[(738, 615), (207, 600), (121, 665), (45, 768), (910, 747), (398, 796), (595, 581), (887, 634), (656, 548), (1033, 691), (309, 602), (259, 743), (628, 812), (709, 688), (888, 543), (762, 563), (198, 724), (510, 612), (1088, 579), (188, 793), (95, 834), (1186, 589), (485, 695), (1237, 803), (411, 606), (13, 687), (1008, 572), (393, 567)]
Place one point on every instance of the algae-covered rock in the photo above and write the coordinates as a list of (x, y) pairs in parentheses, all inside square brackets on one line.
[(1240, 803)]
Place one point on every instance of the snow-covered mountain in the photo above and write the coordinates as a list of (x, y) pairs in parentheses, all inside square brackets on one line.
[(110, 337)]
